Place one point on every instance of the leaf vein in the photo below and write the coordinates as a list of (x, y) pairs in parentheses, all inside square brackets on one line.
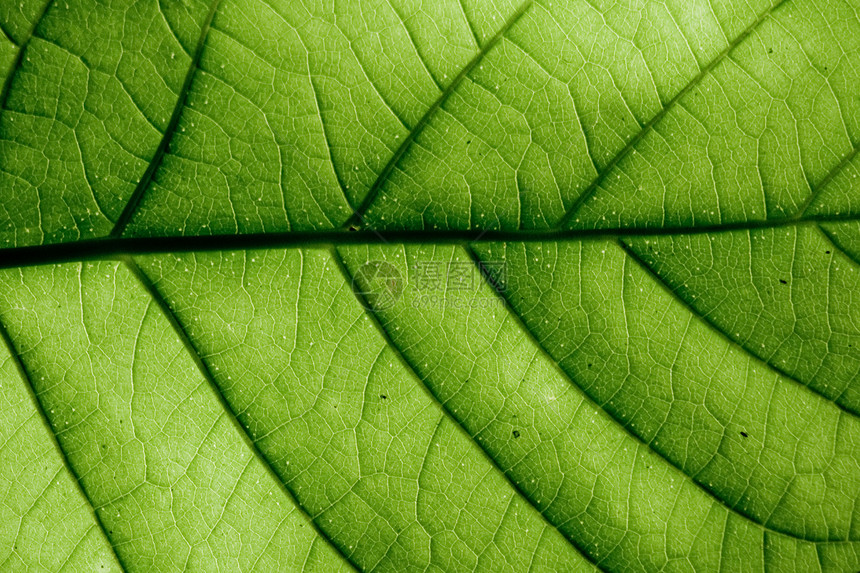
[(358, 216), (716, 328), (638, 440), (113, 247), (37, 404), (19, 59), (348, 277), (204, 369), (149, 174), (647, 128)]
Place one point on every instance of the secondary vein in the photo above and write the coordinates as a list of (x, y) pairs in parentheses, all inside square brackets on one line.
[(634, 256), (204, 369), (148, 175), (831, 175), (837, 244), (37, 404), (350, 279), (533, 339), (19, 59), (358, 216), (592, 188)]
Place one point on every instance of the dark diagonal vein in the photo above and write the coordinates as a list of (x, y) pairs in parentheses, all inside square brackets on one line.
[(19, 59), (8, 36), (831, 175), (592, 188), (161, 150), (383, 176), (348, 277), (196, 356), (631, 434), (37, 404), (469, 24), (837, 244), (715, 327)]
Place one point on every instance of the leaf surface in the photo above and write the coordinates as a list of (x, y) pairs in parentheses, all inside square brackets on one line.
[(385, 285)]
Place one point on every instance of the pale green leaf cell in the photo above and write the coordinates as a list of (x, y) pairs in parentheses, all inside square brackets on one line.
[(168, 472), (505, 150), (45, 521)]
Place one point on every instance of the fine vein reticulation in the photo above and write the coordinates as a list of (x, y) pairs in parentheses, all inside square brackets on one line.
[(460, 286)]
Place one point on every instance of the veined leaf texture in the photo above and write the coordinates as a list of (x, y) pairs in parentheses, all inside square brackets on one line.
[(430, 285)]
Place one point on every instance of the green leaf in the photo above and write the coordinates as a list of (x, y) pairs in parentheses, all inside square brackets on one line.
[(454, 285)]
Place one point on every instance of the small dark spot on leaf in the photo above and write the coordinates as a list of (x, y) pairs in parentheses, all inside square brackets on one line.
[(353, 228), (770, 50), (783, 281), (744, 434), (589, 364), (383, 396), (516, 434), (827, 252)]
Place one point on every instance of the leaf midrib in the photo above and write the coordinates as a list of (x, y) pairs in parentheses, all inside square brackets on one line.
[(114, 247)]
